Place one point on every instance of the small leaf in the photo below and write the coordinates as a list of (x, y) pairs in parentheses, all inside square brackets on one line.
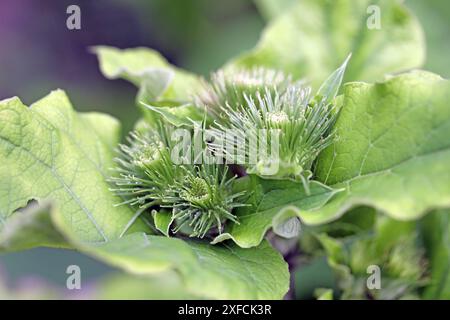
[(276, 204), (335, 249), (162, 219), (147, 69)]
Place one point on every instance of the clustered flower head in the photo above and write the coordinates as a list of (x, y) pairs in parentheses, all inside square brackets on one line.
[(278, 128), (199, 196), (299, 126)]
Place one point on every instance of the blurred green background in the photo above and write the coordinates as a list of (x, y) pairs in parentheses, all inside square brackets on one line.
[(38, 54)]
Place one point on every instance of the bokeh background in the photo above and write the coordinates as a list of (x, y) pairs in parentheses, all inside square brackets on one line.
[(38, 54)]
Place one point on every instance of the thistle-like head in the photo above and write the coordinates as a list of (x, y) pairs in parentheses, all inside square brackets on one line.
[(204, 201), (196, 190), (143, 168), (281, 134), (230, 88), (199, 197)]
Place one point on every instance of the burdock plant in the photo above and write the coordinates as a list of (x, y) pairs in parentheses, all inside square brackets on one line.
[(265, 110), (389, 158)]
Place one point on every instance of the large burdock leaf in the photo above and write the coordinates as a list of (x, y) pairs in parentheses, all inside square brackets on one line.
[(313, 37), (276, 204), (223, 271), (115, 286), (393, 148), (50, 151)]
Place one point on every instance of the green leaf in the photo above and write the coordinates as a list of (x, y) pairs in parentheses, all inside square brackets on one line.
[(382, 241), (436, 230), (49, 151), (106, 128), (147, 69), (219, 272), (163, 220), (275, 204), (29, 228), (392, 152), (176, 114), (313, 37)]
